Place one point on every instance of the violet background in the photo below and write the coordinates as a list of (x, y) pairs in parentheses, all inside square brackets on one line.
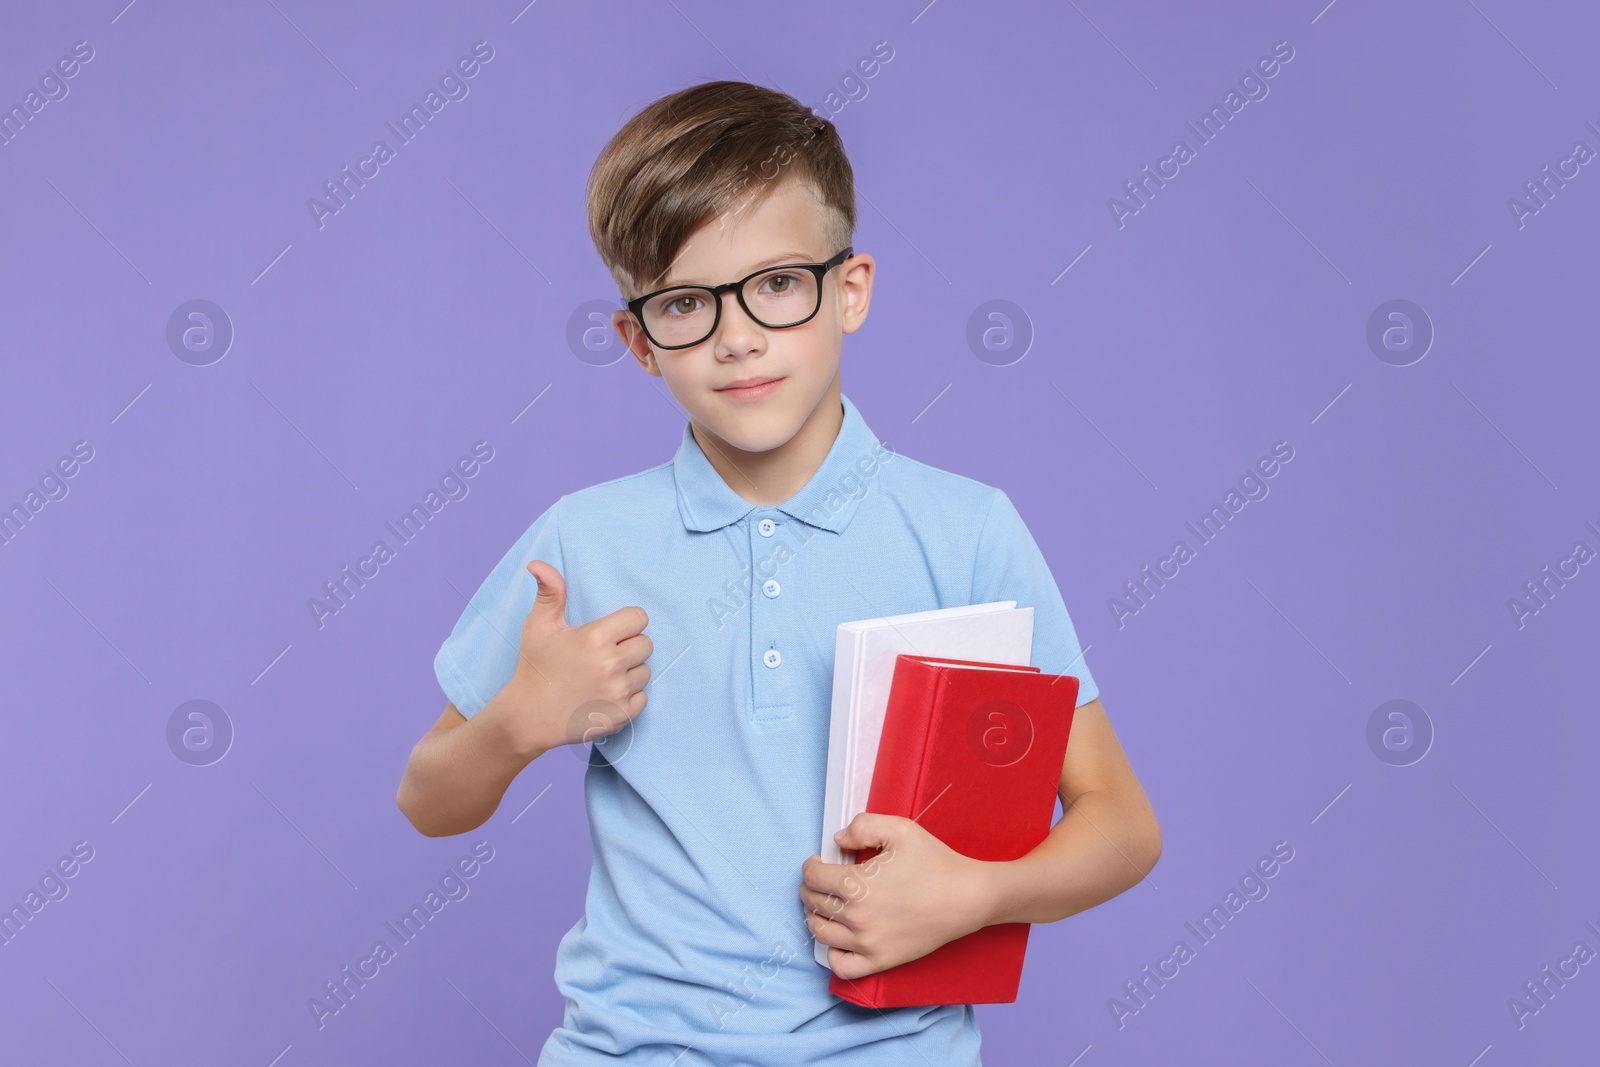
[(1228, 314)]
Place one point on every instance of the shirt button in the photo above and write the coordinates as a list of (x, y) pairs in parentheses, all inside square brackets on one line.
[(766, 526), (771, 587), (771, 657)]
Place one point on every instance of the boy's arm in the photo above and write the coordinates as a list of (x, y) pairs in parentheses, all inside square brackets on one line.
[(569, 685), (1106, 841), (459, 771), (1107, 838)]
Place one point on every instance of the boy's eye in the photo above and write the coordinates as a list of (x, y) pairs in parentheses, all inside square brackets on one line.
[(683, 304), (779, 284)]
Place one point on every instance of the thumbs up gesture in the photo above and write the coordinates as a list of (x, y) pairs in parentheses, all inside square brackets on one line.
[(575, 683)]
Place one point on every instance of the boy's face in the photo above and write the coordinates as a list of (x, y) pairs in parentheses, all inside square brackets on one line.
[(804, 358)]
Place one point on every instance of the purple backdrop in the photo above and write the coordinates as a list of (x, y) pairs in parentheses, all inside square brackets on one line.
[(1379, 259)]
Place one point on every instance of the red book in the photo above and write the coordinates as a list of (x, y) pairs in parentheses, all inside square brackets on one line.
[(973, 752)]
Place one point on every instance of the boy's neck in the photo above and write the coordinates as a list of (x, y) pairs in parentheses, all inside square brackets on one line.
[(771, 477)]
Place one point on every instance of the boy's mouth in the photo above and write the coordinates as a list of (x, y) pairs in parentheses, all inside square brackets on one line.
[(751, 388)]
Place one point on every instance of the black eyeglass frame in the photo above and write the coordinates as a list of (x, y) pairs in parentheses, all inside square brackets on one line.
[(636, 305)]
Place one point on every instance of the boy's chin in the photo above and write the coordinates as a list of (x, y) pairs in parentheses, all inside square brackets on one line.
[(760, 429), (755, 434)]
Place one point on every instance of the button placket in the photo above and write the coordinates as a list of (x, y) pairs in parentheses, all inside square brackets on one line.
[(770, 687)]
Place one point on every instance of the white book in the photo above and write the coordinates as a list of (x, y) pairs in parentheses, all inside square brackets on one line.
[(863, 668)]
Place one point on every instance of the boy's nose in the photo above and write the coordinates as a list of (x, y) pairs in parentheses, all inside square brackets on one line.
[(731, 306)]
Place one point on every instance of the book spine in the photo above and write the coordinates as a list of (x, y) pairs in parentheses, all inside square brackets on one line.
[(846, 657), (930, 702), (902, 755), (903, 745)]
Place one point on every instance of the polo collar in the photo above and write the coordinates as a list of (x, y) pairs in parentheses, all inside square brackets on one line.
[(827, 501)]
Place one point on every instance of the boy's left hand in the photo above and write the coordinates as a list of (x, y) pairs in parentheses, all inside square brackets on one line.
[(900, 905)]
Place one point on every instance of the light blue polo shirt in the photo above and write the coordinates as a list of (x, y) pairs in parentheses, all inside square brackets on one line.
[(703, 809)]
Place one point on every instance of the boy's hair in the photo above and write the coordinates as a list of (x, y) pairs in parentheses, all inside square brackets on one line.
[(712, 149)]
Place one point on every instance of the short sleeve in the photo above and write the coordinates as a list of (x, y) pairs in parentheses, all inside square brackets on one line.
[(1011, 567), (480, 655)]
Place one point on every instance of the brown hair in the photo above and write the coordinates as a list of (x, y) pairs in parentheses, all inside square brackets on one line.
[(710, 149)]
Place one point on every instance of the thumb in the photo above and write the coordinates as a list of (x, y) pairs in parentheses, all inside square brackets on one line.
[(867, 830), (550, 606)]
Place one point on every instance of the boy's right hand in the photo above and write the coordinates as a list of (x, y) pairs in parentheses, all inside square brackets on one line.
[(575, 684)]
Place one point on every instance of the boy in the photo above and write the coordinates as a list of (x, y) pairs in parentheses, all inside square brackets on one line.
[(780, 516)]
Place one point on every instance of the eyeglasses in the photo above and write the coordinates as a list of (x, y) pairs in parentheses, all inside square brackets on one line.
[(682, 316)]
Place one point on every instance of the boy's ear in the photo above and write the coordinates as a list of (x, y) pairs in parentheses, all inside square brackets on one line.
[(856, 290), (638, 344)]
